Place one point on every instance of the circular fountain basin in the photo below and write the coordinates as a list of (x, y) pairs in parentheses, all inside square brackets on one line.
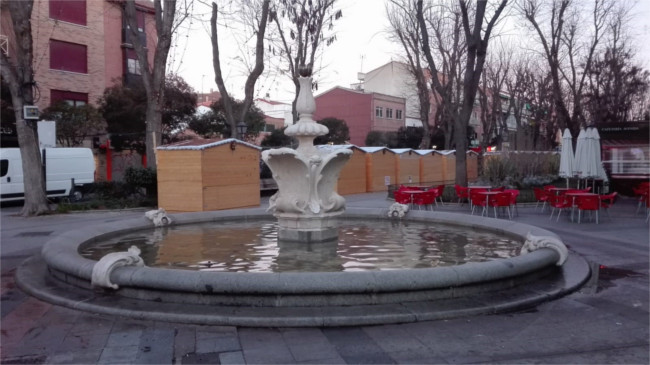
[(305, 298), (361, 245)]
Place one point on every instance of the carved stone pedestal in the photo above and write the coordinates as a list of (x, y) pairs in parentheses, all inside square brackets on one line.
[(306, 203)]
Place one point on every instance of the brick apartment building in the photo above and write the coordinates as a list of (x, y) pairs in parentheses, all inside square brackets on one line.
[(81, 47), (362, 111)]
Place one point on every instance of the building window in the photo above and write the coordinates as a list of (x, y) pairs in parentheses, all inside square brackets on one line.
[(69, 97), (71, 11), (398, 114), (378, 112), (132, 62), (139, 17), (67, 56), (133, 66), (389, 113)]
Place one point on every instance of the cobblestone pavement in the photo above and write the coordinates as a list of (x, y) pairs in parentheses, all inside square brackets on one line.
[(607, 321)]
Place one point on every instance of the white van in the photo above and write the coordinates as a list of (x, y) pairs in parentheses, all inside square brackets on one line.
[(62, 166)]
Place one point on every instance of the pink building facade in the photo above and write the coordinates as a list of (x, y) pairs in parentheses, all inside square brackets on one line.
[(362, 112)]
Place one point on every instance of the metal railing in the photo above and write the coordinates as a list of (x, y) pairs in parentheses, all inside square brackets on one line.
[(628, 168)]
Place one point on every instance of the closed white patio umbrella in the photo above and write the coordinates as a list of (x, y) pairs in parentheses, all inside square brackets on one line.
[(590, 165), (566, 157), (599, 171), (587, 162), (580, 156)]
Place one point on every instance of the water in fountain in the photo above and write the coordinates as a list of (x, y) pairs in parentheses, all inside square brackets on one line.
[(362, 245)]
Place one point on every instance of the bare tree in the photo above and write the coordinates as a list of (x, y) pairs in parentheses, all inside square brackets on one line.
[(449, 50), (259, 22), (493, 116), (405, 29), (19, 75), (616, 85), (477, 36), (542, 109), (153, 76), (569, 53), (302, 26)]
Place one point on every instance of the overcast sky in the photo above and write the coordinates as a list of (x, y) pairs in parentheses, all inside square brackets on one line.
[(361, 46)]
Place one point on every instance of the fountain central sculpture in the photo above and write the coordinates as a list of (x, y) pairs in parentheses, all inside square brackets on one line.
[(306, 204)]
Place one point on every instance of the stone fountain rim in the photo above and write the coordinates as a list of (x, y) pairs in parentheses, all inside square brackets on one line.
[(61, 254)]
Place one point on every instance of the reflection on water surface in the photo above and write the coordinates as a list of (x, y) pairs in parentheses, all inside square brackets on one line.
[(362, 245)]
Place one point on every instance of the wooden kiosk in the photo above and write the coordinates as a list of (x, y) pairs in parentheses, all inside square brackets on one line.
[(448, 165), (352, 179), (201, 175), (407, 166), (431, 169), (380, 168), (472, 166)]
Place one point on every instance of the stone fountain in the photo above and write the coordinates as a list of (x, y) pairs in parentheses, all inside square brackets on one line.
[(306, 204), (307, 207)]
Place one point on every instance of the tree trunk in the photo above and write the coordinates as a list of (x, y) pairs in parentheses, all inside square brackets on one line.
[(20, 78), (153, 77), (218, 77), (30, 153), (154, 133), (249, 87)]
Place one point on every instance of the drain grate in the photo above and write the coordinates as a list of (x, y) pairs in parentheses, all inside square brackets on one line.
[(34, 234)]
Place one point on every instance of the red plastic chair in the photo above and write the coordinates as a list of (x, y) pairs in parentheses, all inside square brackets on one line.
[(541, 196), (500, 188), (461, 192), (559, 202), (437, 194), (402, 198), (514, 194), (548, 187), (441, 190), (589, 203), (500, 201), (606, 201), (425, 199), (478, 200)]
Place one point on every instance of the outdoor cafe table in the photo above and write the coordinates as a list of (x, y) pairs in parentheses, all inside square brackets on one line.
[(559, 191), (573, 197), (484, 187), (487, 199), (411, 193), (469, 192)]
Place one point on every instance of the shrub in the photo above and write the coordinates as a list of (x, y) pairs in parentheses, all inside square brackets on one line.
[(520, 170), (497, 170), (112, 190), (143, 178)]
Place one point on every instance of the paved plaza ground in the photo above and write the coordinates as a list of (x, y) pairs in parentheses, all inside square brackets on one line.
[(607, 321)]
